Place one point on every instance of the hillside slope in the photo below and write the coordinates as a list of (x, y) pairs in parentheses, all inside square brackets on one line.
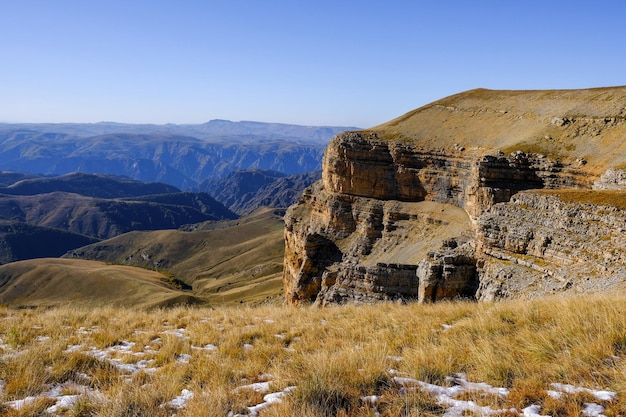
[(246, 191), (223, 262), (48, 282), (101, 218), (565, 125), (20, 241), (90, 185), (474, 151)]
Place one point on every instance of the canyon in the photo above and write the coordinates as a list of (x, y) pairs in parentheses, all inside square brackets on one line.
[(483, 195)]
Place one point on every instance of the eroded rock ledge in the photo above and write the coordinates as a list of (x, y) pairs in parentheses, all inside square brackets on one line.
[(396, 217)]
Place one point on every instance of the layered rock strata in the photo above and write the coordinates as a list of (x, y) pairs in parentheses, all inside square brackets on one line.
[(539, 244), (418, 208)]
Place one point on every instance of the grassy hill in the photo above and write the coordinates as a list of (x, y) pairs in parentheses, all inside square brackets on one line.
[(20, 241), (567, 125), (104, 218), (56, 282), (9, 177), (224, 262), (91, 185)]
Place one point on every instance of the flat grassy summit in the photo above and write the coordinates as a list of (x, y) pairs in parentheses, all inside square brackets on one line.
[(569, 124)]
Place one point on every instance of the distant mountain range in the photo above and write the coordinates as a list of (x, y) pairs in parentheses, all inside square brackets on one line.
[(180, 155)]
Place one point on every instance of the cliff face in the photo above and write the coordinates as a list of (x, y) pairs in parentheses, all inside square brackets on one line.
[(418, 208), (545, 242)]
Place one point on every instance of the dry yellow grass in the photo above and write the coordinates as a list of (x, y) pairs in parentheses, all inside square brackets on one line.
[(484, 120), (124, 362), (223, 263), (54, 282), (608, 198)]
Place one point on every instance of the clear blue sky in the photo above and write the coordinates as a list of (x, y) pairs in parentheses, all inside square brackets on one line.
[(351, 63)]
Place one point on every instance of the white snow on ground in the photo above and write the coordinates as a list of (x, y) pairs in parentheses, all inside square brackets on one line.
[(445, 395), (560, 389), (461, 380), (62, 401), (532, 411), (123, 347), (177, 332), (593, 410), (183, 358), (260, 387), (457, 408), (208, 347), (180, 401), (268, 400)]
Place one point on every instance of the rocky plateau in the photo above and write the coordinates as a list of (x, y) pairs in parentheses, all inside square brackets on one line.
[(483, 195)]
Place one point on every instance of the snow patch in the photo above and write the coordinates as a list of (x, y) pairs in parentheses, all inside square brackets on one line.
[(560, 389), (593, 410), (180, 401)]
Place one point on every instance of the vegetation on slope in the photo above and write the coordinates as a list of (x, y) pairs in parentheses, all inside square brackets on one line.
[(57, 282), (607, 198), (553, 356), (565, 125), (225, 262), (103, 218), (91, 185), (20, 241)]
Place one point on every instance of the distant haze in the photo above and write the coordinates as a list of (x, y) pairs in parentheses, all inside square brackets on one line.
[(180, 155)]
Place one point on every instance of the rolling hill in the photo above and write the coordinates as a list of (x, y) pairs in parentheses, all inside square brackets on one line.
[(50, 282), (9, 177), (20, 241), (223, 262), (99, 218), (47, 216), (90, 185)]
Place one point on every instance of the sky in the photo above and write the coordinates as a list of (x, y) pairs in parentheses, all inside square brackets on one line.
[(339, 62)]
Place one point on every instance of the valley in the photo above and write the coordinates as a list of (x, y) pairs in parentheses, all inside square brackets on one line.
[(163, 244)]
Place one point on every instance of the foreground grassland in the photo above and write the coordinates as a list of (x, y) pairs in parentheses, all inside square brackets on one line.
[(554, 356)]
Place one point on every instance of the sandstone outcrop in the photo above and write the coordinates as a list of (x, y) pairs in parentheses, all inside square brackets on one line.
[(431, 205), (544, 242)]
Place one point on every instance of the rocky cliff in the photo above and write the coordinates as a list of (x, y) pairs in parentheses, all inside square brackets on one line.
[(430, 205)]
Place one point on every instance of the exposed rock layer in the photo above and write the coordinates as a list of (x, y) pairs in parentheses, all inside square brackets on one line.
[(418, 208)]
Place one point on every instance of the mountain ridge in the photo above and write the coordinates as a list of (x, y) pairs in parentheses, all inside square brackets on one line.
[(481, 152), (216, 129)]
